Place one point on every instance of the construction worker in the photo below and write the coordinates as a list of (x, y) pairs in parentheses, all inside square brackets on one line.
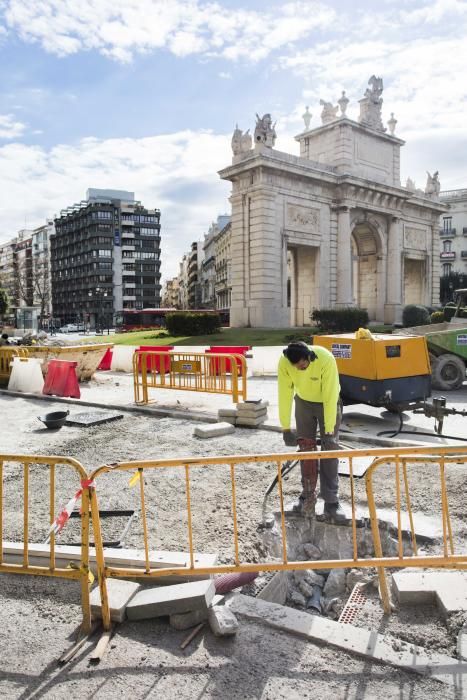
[(311, 375), (4, 339)]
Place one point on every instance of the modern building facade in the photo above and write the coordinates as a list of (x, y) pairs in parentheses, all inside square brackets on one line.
[(353, 234), (105, 257)]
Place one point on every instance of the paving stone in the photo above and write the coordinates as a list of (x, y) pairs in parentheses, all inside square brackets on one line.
[(229, 412), (360, 641), (214, 430), (183, 621), (253, 405), (447, 588), (168, 600), (119, 593), (222, 621), (251, 422), (462, 643)]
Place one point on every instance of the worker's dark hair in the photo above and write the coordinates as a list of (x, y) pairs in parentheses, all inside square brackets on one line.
[(297, 351), (5, 336)]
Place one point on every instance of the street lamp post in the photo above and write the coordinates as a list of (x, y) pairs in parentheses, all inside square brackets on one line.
[(100, 294)]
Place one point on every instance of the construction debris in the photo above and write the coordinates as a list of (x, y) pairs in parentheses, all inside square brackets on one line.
[(168, 600), (119, 594), (222, 621)]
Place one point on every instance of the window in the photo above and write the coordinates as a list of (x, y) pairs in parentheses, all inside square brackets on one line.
[(105, 266), (105, 253), (447, 267), (447, 223), (101, 214), (128, 254), (148, 267), (143, 231), (128, 266), (128, 241), (447, 246)]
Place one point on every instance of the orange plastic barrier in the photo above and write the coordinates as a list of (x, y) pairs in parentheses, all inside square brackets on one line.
[(61, 379)]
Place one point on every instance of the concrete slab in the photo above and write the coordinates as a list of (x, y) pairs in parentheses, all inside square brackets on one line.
[(448, 589), (168, 600), (119, 593), (229, 412), (92, 418), (125, 558), (215, 430), (366, 643)]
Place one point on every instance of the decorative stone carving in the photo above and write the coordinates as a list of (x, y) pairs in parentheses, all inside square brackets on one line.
[(329, 113), (241, 142), (392, 124), (343, 101), (433, 185), (410, 185), (306, 116), (371, 104), (414, 238), (302, 218), (265, 132)]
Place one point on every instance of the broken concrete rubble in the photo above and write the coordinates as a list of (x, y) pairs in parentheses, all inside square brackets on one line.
[(222, 621), (183, 621)]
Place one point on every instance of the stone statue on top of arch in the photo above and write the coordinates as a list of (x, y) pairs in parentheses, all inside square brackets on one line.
[(371, 104), (265, 132), (433, 185)]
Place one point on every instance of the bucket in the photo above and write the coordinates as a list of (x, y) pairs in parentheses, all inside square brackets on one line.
[(54, 420)]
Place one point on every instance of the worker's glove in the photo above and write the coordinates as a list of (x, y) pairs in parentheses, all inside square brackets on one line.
[(290, 438)]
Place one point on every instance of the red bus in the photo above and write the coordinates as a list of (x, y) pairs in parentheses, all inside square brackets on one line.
[(142, 319)]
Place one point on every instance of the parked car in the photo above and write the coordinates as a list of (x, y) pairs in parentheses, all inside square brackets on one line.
[(69, 328)]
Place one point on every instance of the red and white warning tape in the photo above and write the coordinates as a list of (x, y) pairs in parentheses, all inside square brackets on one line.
[(65, 513)]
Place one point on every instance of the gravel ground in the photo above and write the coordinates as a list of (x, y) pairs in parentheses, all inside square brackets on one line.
[(39, 617)]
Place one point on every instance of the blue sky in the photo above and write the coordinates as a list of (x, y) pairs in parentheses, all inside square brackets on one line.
[(144, 95)]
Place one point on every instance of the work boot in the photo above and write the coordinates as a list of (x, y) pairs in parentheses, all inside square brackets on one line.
[(334, 513), (305, 504)]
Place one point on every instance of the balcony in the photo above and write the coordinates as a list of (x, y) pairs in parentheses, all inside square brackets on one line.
[(447, 256), (448, 233)]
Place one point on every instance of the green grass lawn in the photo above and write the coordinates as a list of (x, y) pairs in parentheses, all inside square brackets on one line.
[(227, 336)]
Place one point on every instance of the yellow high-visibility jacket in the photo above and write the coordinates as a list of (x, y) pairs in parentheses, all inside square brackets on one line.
[(319, 383)]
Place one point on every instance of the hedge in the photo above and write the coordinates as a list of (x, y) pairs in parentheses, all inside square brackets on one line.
[(182, 323), (344, 320), (415, 315)]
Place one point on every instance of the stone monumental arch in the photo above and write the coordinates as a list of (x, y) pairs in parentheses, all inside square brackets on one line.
[(332, 227)]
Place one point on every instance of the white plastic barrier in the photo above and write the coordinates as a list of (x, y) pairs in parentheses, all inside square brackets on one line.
[(265, 360), (122, 359), (26, 375)]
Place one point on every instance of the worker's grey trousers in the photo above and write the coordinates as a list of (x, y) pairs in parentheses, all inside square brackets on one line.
[(308, 416)]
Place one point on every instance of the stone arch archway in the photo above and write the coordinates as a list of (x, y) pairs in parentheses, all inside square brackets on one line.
[(368, 255)]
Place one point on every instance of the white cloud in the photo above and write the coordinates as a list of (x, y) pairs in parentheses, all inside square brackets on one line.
[(174, 172), (225, 75), (121, 28), (9, 128)]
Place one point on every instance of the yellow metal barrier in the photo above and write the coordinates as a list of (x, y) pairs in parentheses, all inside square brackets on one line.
[(27, 464), (209, 373), (401, 458), (7, 353)]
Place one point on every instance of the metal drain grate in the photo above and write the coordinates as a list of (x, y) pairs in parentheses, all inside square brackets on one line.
[(354, 605)]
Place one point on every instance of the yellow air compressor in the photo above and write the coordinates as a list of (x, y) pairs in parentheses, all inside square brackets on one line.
[(380, 370)]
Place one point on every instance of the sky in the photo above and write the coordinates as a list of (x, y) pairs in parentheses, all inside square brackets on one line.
[(143, 95)]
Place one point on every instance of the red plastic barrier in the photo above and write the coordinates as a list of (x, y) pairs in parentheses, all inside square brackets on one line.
[(61, 379), (106, 361), (227, 350), (153, 363)]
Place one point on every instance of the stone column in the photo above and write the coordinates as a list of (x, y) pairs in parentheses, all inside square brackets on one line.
[(344, 258), (393, 306)]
